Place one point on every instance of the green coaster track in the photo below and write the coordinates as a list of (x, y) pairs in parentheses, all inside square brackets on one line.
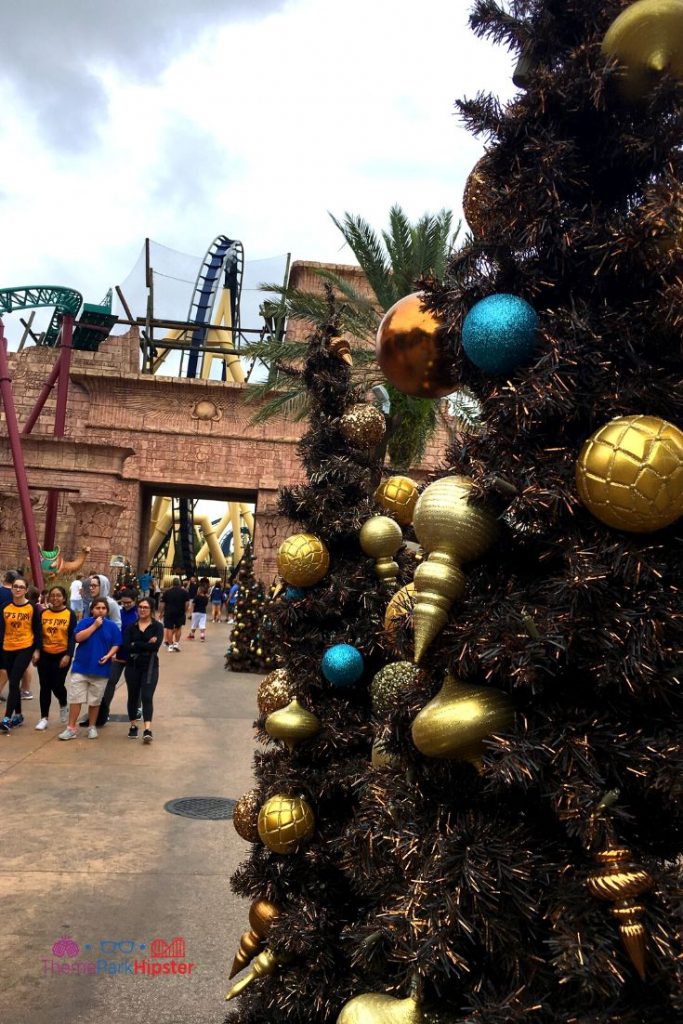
[(64, 300)]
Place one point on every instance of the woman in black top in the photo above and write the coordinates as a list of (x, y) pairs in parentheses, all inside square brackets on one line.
[(141, 643)]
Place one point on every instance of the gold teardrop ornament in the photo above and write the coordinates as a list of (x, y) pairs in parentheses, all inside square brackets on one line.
[(453, 532), (455, 723), (617, 880), (262, 914), (292, 724), (380, 538), (264, 965), (398, 496), (377, 1008), (647, 40)]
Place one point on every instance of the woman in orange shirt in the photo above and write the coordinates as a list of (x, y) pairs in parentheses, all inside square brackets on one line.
[(20, 642), (59, 641)]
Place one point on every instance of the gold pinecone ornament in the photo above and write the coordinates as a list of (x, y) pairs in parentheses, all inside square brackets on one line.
[(398, 496), (618, 880), (284, 822)]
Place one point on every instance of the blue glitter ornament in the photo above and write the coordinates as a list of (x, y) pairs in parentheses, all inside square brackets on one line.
[(294, 593), (500, 333), (342, 665)]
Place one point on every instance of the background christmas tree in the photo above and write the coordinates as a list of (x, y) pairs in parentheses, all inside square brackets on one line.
[(246, 653)]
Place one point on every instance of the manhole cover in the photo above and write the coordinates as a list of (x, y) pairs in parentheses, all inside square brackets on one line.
[(210, 808)]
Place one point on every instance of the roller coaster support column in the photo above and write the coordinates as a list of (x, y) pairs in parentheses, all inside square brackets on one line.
[(18, 459), (42, 397), (60, 422)]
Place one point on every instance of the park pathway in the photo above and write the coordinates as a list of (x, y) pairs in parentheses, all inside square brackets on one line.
[(90, 856)]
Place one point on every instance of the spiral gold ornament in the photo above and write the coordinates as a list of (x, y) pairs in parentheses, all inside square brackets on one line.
[(245, 816), (455, 723), (647, 40), (378, 1008), (363, 425), (262, 913), (398, 496), (265, 964), (380, 538), (302, 560), (292, 724), (285, 821), (453, 531), (618, 880)]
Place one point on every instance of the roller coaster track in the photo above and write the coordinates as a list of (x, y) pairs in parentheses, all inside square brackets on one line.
[(65, 300), (225, 256)]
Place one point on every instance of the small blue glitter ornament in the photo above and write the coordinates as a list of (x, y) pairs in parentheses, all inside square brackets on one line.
[(342, 665), (500, 333), (294, 593)]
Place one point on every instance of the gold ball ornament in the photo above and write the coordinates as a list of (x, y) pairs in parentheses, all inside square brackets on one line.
[(399, 613), (292, 724), (381, 537), (647, 40), (275, 691), (302, 560), (453, 531), (245, 816), (455, 723), (363, 425), (477, 197), (629, 474), (398, 496), (377, 1008), (285, 821), (412, 350), (389, 685)]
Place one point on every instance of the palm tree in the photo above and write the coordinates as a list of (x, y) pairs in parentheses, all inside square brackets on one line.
[(392, 264)]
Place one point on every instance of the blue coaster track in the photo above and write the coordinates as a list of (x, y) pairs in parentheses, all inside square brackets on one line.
[(222, 266)]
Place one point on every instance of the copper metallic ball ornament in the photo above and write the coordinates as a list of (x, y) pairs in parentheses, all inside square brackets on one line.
[(398, 496), (629, 473), (285, 821), (302, 560), (412, 350), (647, 40), (389, 685), (292, 724), (378, 1008), (455, 723), (363, 425), (476, 198), (380, 538), (245, 816)]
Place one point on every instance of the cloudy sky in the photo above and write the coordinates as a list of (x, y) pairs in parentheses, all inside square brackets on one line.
[(182, 120)]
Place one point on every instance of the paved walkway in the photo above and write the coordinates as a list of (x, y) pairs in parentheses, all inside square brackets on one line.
[(89, 853)]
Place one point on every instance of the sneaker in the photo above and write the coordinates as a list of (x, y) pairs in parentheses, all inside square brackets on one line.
[(26, 695), (92, 732), (147, 736), (171, 647), (133, 732), (42, 724), (189, 637), (64, 715), (68, 734), (17, 720), (6, 725), (203, 638)]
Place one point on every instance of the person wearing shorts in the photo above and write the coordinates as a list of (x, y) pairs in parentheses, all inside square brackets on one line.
[(201, 600), (98, 640), (174, 605)]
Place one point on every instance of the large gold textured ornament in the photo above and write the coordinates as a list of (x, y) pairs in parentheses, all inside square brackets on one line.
[(363, 425), (389, 685), (456, 722), (377, 1008), (453, 531), (412, 350), (262, 913), (647, 40), (284, 821), (292, 724), (618, 880), (265, 963), (399, 611), (398, 495), (629, 473), (477, 198), (245, 816), (302, 560), (381, 537), (275, 691)]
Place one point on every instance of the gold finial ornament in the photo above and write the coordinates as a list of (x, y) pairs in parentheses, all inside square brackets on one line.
[(275, 691), (378, 1008), (647, 40), (340, 348), (245, 816), (264, 964), (262, 914), (629, 473), (452, 531), (398, 496), (380, 538), (285, 821), (618, 880), (457, 721), (302, 560), (292, 724), (412, 350), (363, 425)]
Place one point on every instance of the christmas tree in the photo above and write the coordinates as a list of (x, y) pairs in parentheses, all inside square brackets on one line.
[(246, 653)]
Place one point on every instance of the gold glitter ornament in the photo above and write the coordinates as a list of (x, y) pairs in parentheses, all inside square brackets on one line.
[(292, 724), (399, 611), (647, 40), (377, 1008), (302, 560), (617, 879), (412, 350), (389, 685), (262, 913), (455, 723), (275, 691), (363, 425), (629, 473), (265, 964), (284, 821), (380, 538), (476, 198), (453, 531), (398, 496), (245, 816)]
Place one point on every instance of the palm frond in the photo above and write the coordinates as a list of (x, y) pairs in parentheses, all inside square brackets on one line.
[(370, 254), (400, 245), (293, 404)]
